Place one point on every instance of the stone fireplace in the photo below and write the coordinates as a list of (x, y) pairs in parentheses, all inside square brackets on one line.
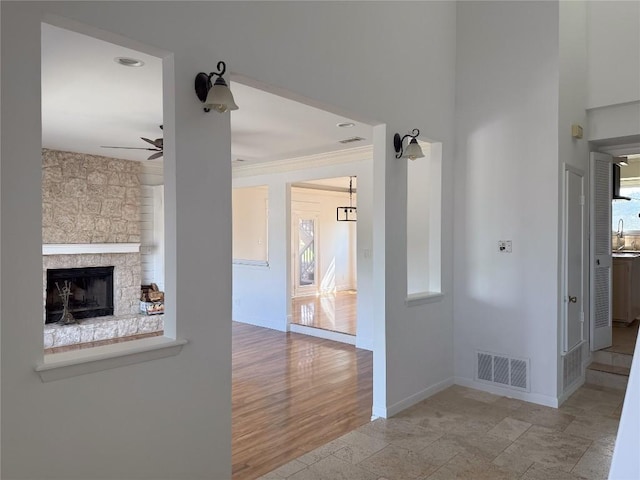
[(90, 292), (91, 219)]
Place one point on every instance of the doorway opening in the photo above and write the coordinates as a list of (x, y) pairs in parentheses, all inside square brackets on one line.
[(290, 171), (324, 259), (615, 251)]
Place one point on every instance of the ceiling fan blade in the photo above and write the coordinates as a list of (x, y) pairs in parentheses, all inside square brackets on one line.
[(130, 148), (155, 155), (156, 143)]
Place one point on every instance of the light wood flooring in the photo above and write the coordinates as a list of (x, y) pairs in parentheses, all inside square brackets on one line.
[(291, 394), (334, 311)]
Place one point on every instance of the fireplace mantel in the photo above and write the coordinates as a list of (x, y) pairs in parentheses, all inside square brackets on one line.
[(88, 248)]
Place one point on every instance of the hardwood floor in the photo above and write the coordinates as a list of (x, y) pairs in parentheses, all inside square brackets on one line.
[(291, 394), (335, 311)]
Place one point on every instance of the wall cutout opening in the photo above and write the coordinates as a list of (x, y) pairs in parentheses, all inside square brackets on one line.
[(250, 207), (424, 215), (102, 202)]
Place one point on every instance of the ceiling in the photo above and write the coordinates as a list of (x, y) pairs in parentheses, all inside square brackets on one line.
[(89, 100)]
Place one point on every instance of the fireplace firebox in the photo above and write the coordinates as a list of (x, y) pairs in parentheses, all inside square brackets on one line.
[(91, 292)]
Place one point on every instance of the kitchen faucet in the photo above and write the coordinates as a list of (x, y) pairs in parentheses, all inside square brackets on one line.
[(620, 233)]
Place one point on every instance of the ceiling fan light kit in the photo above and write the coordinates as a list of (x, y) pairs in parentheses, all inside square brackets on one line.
[(216, 96)]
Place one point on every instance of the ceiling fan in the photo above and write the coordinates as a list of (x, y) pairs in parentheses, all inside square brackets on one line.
[(157, 144)]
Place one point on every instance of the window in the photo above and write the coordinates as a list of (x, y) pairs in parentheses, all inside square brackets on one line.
[(627, 210)]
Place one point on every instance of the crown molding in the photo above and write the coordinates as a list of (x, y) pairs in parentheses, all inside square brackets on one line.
[(306, 162)]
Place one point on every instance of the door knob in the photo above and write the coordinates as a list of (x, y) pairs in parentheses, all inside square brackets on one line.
[(573, 299)]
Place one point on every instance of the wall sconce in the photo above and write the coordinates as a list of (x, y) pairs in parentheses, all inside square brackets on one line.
[(217, 96), (413, 150)]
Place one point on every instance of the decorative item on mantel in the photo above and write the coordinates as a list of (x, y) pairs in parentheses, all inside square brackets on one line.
[(151, 299), (65, 293)]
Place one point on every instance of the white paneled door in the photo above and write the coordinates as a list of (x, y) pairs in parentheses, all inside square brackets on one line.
[(574, 258)]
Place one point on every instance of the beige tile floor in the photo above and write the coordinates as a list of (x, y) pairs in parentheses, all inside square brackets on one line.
[(462, 433)]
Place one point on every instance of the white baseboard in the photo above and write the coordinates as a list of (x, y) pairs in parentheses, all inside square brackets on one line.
[(326, 334), (572, 389), (390, 411), (545, 400), (258, 322)]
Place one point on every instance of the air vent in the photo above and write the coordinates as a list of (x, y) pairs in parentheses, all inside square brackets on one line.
[(503, 371), (571, 367), (352, 139)]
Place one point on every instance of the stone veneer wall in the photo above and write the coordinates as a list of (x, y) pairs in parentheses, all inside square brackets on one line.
[(89, 198), (94, 199), (127, 319)]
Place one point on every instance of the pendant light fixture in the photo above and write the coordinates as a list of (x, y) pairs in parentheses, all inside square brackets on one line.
[(350, 213), (217, 96)]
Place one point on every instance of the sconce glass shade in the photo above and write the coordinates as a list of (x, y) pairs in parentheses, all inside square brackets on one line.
[(413, 150), (220, 97)]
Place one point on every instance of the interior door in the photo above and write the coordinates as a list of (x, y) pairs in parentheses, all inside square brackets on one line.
[(574, 245), (600, 254)]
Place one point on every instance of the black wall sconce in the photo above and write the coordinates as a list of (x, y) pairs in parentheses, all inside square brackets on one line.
[(413, 150), (217, 96)]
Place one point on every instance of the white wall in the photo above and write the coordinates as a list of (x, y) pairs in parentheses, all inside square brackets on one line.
[(336, 240), (507, 188), (573, 152), (146, 234), (152, 224), (613, 52), (613, 76), (170, 418), (625, 463)]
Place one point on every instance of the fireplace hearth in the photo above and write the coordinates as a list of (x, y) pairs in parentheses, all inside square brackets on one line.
[(91, 292)]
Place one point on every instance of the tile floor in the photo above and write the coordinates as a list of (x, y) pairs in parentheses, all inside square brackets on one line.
[(624, 337), (468, 434)]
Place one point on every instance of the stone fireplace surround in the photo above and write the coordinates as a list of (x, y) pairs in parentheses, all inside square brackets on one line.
[(93, 199), (126, 321)]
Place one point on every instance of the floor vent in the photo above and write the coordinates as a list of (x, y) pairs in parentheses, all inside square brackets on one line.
[(571, 367), (503, 371)]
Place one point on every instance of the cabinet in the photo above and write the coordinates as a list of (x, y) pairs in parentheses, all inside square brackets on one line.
[(625, 287)]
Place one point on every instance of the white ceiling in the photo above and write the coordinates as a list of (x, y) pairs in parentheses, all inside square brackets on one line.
[(89, 100)]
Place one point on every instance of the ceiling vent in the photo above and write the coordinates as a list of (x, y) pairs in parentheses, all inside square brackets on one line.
[(352, 139)]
